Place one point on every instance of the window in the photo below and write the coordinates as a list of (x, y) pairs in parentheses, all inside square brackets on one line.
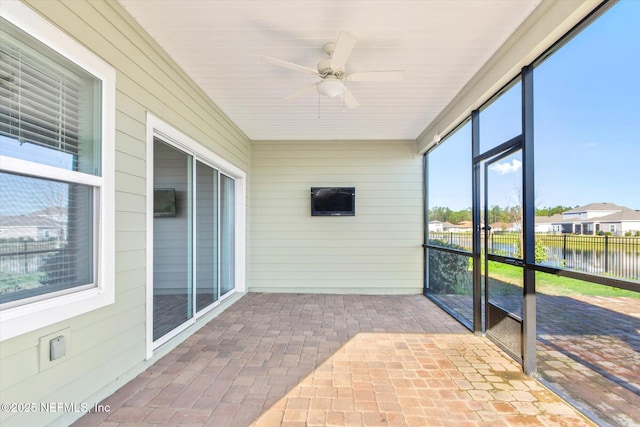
[(56, 178)]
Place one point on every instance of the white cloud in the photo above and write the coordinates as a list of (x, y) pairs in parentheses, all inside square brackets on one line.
[(506, 167)]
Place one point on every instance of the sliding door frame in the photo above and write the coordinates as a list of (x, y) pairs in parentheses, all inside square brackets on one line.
[(159, 129)]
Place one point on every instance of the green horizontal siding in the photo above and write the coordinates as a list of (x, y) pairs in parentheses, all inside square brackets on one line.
[(108, 344), (377, 251)]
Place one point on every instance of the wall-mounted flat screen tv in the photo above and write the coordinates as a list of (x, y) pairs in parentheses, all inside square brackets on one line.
[(333, 201), (164, 202)]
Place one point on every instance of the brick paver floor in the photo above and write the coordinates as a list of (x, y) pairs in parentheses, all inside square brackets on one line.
[(589, 349), (594, 356), (305, 360)]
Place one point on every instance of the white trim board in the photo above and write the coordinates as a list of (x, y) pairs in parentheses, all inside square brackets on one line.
[(158, 128)]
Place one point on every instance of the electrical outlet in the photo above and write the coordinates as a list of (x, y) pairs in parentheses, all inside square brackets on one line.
[(54, 348), (57, 348)]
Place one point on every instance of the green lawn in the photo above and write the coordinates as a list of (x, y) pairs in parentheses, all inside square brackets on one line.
[(555, 285)]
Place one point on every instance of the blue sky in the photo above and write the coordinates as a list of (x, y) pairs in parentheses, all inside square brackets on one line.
[(588, 114), (587, 124)]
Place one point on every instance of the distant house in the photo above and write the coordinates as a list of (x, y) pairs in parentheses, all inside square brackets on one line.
[(55, 213), (506, 227), (45, 224), (28, 228), (545, 224), (598, 217), (450, 228), (465, 226), (446, 227), (622, 222), (436, 226)]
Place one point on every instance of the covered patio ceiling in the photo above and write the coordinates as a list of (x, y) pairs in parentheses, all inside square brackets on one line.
[(440, 44)]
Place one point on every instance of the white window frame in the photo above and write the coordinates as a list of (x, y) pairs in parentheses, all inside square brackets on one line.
[(32, 316), (168, 134)]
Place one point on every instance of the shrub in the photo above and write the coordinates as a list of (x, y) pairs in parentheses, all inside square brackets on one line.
[(541, 253), (53, 268), (448, 273), (14, 282)]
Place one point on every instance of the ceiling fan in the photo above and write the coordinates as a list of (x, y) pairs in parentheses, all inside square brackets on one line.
[(332, 73)]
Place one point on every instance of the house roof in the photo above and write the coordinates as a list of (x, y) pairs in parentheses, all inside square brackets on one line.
[(448, 225), (28, 221), (54, 211), (597, 207), (548, 219), (625, 215), (441, 45), (500, 225)]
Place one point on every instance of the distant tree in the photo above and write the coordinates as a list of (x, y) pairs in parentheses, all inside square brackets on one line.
[(549, 211), (459, 216), (444, 214)]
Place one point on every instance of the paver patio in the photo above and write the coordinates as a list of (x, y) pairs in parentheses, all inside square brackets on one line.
[(588, 348), (304, 360)]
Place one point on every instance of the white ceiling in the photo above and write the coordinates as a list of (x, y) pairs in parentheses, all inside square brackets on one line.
[(440, 44)]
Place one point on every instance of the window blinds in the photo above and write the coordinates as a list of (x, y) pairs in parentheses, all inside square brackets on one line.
[(40, 100)]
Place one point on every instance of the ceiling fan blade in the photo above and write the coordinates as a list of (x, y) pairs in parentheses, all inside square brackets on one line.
[(344, 46), (349, 100), (301, 91), (376, 76), (289, 65)]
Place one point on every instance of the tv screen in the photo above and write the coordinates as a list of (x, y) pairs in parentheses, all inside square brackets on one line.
[(333, 201), (164, 202)]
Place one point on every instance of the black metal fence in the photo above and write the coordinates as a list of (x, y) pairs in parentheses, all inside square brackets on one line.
[(609, 255), (24, 257)]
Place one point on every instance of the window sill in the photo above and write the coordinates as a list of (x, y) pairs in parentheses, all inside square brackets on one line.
[(30, 317)]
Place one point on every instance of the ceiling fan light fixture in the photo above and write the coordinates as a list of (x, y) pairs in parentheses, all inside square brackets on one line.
[(330, 87), (332, 74)]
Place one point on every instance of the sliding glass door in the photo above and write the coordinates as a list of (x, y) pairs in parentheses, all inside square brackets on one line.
[(172, 239), (206, 235), (227, 238), (193, 238)]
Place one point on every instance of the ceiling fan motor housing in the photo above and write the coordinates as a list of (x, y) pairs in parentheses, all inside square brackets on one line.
[(325, 69)]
